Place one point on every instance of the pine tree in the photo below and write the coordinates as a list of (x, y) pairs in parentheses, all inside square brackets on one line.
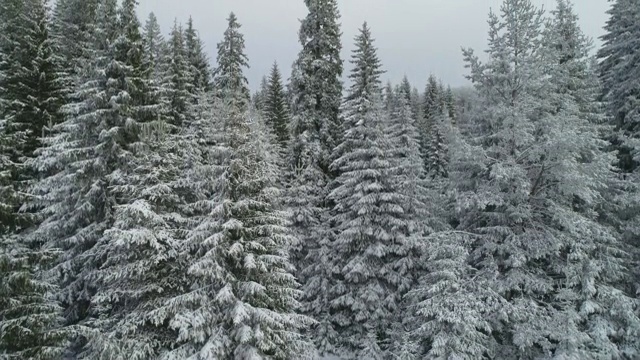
[(432, 128), (315, 92), (276, 111), (155, 50), (175, 87), (259, 97), (576, 89), (81, 161), (228, 76), (137, 251), (197, 60), (316, 85), (450, 101), (408, 176), (374, 234), (526, 192), (242, 286), (72, 29), (30, 101), (619, 72), (30, 320)]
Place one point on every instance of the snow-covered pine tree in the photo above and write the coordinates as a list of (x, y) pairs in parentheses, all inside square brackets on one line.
[(72, 28), (138, 252), (31, 321), (228, 75), (432, 130), (143, 269), (30, 100), (575, 90), (315, 93), (80, 161), (619, 72), (512, 244), (408, 178), (155, 50), (30, 90), (416, 106), (316, 85), (197, 60), (276, 111), (174, 89), (405, 88), (374, 235), (389, 98), (259, 96), (450, 101), (526, 202), (242, 299)]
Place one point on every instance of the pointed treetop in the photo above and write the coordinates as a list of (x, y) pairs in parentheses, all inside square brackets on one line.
[(365, 75), (229, 79)]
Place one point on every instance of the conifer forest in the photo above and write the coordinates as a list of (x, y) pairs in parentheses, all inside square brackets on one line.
[(154, 206)]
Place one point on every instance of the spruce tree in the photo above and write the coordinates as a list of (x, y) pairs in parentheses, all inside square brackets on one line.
[(450, 102), (259, 97), (374, 235), (175, 86), (619, 72), (228, 76), (137, 251), (408, 176), (155, 50), (316, 85), (526, 192), (30, 101), (31, 321), (197, 60), (433, 128), (242, 296), (276, 111), (72, 29), (315, 92), (576, 89), (81, 160)]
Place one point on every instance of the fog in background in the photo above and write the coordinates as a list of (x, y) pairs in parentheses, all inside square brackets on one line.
[(414, 37)]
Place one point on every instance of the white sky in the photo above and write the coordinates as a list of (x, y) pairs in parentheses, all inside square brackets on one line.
[(414, 37)]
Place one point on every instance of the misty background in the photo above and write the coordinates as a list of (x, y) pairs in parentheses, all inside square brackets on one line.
[(414, 37)]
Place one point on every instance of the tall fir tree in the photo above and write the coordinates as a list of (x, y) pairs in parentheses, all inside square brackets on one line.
[(374, 235), (155, 50), (30, 100), (228, 77), (276, 111), (526, 192), (576, 89), (432, 130), (175, 86), (316, 84), (408, 177), (259, 96), (137, 268), (315, 92), (72, 28), (82, 160), (197, 60), (619, 72), (242, 286)]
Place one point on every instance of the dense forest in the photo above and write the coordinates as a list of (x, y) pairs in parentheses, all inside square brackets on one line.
[(152, 207)]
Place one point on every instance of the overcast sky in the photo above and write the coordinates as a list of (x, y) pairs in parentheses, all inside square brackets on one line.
[(414, 37)]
